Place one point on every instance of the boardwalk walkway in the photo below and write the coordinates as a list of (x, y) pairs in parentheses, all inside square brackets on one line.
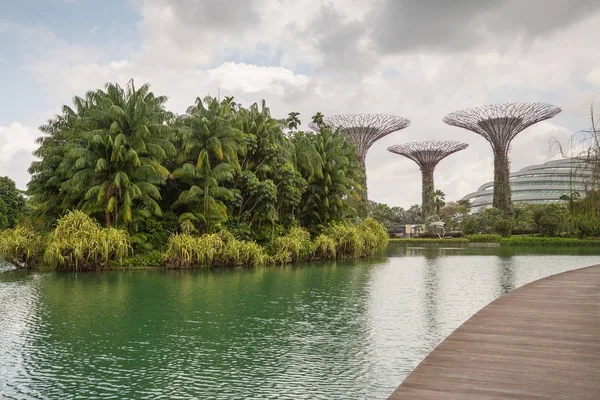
[(541, 341)]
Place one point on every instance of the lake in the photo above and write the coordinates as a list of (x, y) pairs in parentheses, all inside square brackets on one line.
[(345, 330)]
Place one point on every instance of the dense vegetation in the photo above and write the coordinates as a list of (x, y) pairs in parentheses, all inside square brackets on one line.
[(221, 185)]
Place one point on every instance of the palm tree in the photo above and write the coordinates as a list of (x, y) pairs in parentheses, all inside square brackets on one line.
[(292, 121), (105, 157), (210, 144), (330, 189), (439, 200), (318, 118)]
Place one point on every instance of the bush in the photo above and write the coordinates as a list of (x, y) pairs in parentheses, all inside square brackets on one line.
[(586, 226), (22, 246), (503, 227), (79, 243), (484, 238), (213, 250), (325, 248), (375, 236), (152, 259), (348, 240), (295, 246), (470, 225), (548, 241)]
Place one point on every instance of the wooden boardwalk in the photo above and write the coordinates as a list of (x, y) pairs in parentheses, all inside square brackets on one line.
[(541, 341)]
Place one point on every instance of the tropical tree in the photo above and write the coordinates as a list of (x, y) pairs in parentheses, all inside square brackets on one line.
[(329, 190), (105, 157), (12, 203), (439, 200), (293, 121), (210, 143)]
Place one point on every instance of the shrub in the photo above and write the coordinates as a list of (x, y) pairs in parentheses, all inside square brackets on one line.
[(295, 246), (469, 225), (78, 243), (348, 240), (548, 241), (212, 250), (325, 248), (375, 236), (22, 246), (484, 238), (503, 227), (187, 251)]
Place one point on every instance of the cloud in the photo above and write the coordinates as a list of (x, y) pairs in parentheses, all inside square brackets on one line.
[(16, 144), (452, 26), (419, 60)]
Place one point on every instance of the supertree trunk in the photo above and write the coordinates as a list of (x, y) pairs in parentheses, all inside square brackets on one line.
[(502, 192), (364, 210), (427, 193)]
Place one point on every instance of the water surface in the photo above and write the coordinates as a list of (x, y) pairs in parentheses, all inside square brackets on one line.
[(350, 330)]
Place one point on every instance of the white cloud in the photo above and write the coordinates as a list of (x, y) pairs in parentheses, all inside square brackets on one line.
[(16, 144), (184, 59)]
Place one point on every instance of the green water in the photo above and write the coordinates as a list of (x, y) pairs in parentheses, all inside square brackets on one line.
[(348, 330)]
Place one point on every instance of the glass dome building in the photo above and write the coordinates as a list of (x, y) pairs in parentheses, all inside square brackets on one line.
[(538, 184)]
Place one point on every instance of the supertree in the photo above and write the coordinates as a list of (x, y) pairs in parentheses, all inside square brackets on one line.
[(427, 155), (499, 124), (363, 130)]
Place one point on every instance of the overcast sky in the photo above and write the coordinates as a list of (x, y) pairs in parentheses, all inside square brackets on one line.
[(419, 59)]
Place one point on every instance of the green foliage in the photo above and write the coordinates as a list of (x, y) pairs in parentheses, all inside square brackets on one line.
[(484, 238), (469, 225), (12, 203), (503, 227), (152, 259), (212, 250), (22, 246), (551, 219), (293, 247), (79, 243), (586, 225), (104, 157), (547, 241), (325, 248), (429, 241), (332, 171)]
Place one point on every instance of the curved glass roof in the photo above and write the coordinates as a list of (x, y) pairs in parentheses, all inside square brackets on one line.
[(538, 184)]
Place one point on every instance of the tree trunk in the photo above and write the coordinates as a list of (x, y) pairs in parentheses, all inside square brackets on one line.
[(427, 193), (502, 193), (365, 209)]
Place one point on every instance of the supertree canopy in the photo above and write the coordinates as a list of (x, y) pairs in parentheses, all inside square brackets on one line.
[(363, 130), (427, 155), (499, 124)]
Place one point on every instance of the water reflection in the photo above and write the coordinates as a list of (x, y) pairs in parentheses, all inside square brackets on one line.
[(337, 330)]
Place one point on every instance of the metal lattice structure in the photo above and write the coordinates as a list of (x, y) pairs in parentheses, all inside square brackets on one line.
[(427, 155), (363, 130), (499, 124)]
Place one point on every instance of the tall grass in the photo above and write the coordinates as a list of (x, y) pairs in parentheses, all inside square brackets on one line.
[(352, 241), (293, 247), (79, 243), (22, 246), (212, 250)]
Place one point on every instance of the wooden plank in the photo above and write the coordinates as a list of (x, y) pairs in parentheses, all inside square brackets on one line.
[(541, 341)]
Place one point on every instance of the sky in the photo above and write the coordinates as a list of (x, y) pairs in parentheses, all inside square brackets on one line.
[(417, 59)]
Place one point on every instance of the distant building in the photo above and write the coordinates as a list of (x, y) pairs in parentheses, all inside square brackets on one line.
[(537, 184)]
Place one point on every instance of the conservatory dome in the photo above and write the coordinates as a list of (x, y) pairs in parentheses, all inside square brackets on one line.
[(538, 184)]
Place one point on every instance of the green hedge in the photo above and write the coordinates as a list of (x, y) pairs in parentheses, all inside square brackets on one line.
[(430, 241), (547, 241), (484, 238)]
